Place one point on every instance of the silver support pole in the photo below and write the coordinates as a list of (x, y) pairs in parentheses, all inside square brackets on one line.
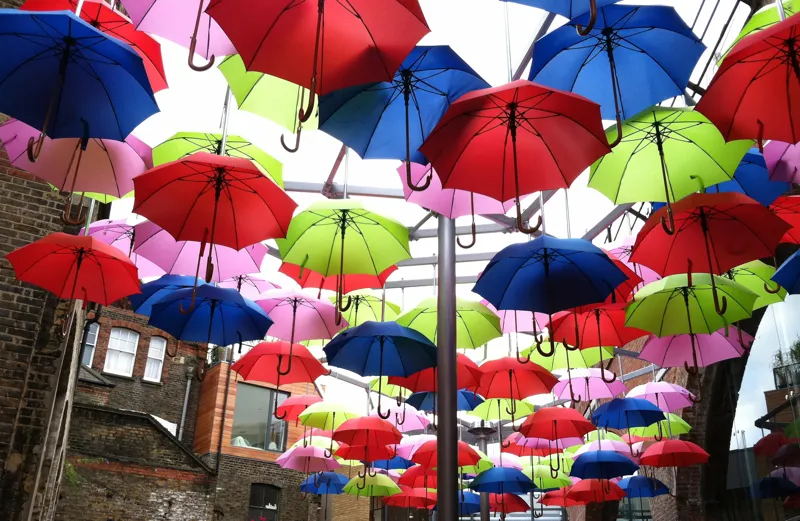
[(485, 514), (447, 462), (79, 8), (751, 480), (781, 12), (226, 116)]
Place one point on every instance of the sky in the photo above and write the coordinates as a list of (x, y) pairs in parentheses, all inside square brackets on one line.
[(492, 37)]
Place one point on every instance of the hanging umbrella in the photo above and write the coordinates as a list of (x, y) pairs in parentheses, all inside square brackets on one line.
[(518, 321), (69, 79), (362, 42), (667, 396), (466, 400), (507, 504), (292, 406), (619, 447), (468, 375), (556, 423), (411, 498), (564, 359), (369, 118), (220, 316), (307, 278), (584, 385), (623, 253), (772, 487), (788, 274), (665, 154), (533, 137), (396, 463), (602, 434), (790, 473), (119, 234), (624, 413), (177, 22), (500, 480), (547, 447), (756, 276), (307, 459), (475, 323), (427, 455), (382, 386), (371, 485), (542, 480), (327, 415), (557, 461), (635, 57), (570, 9), (409, 445), (753, 94), (673, 453), (508, 378), (602, 464), (673, 423), (559, 498), (765, 17), (367, 307), (154, 291), (641, 486), (787, 207), (299, 316), (595, 491), (548, 275), (318, 239), (506, 460), (250, 286), (781, 161), (752, 178), (767, 446), (381, 348), (788, 455), (367, 431), (468, 503), (418, 476), (403, 416), (502, 409), (682, 350), (327, 483), (184, 144), (96, 165)]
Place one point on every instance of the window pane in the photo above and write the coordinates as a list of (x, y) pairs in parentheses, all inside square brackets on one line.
[(277, 429), (121, 352), (155, 359), (91, 341), (250, 416)]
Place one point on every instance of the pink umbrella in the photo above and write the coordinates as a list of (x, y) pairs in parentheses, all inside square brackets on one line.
[(583, 385), (409, 445), (667, 397), (307, 459), (118, 233), (180, 257), (541, 443), (506, 460), (250, 286), (183, 22), (790, 473), (679, 350), (518, 321), (405, 417), (612, 445), (623, 253), (71, 164), (298, 316), (782, 161), (448, 202)]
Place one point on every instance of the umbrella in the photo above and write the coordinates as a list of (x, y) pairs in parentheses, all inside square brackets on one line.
[(468, 503), (623, 253), (507, 460), (641, 486), (299, 316), (602, 464), (674, 424), (501, 480), (291, 407), (177, 22), (307, 459), (468, 376), (502, 409), (767, 446), (184, 144), (119, 234), (381, 348), (790, 473), (570, 9), (602, 434), (765, 17), (154, 291), (318, 238), (756, 276), (624, 413), (788, 274), (367, 431), (369, 307), (220, 316), (308, 278), (542, 480), (620, 447), (788, 455), (361, 42), (595, 491), (371, 485), (324, 483), (518, 321), (403, 416), (566, 359), (635, 57), (411, 498), (369, 118), (781, 160), (667, 396), (381, 385), (69, 79), (548, 275), (584, 385), (466, 400), (752, 178), (682, 350), (533, 137), (475, 323), (507, 504), (104, 166), (665, 154), (419, 476), (409, 445), (327, 415), (558, 498), (396, 463), (773, 487), (758, 69), (509, 378), (673, 453), (427, 455), (547, 446), (250, 286), (556, 423)]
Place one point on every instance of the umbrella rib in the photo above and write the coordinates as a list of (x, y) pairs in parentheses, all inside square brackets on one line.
[(290, 4), (391, 99), (360, 18)]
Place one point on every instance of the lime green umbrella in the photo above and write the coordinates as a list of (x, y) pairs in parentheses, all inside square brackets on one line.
[(338, 237), (184, 144), (678, 305), (483, 464), (495, 409), (572, 450), (674, 424), (762, 19), (383, 386), (600, 434), (757, 277), (793, 429), (317, 441), (543, 478), (370, 483), (559, 460), (665, 154), (100, 198), (562, 358), (475, 323), (327, 416), (365, 306)]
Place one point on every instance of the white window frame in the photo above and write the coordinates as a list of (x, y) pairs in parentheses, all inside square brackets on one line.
[(90, 345), (155, 359), (119, 344)]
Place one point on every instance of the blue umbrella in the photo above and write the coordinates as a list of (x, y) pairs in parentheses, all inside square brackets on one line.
[(548, 275), (371, 118), (61, 75), (602, 464), (569, 9), (154, 291), (635, 57), (221, 316), (381, 349), (427, 401), (641, 486), (502, 480), (324, 483), (624, 413), (469, 503), (395, 463), (788, 274), (752, 179), (772, 487)]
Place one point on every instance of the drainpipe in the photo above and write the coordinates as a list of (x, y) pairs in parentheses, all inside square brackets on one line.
[(224, 411), (185, 404)]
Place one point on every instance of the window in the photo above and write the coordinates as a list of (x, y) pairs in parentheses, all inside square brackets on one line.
[(121, 352), (155, 359), (263, 503), (90, 344), (254, 426)]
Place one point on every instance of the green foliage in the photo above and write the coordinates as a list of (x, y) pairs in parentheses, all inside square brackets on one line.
[(71, 475)]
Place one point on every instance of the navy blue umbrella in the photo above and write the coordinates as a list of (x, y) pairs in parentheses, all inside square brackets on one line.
[(469, 503), (427, 401), (773, 487), (642, 486), (633, 58), (373, 118), (220, 316), (624, 413), (788, 274), (569, 9), (155, 290), (381, 349), (602, 464), (395, 463), (502, 480), (62, 76), (324, 483)]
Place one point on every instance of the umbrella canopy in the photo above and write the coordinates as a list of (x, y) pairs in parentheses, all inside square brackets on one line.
[(279, 363), (308, 278), (250, 286), (673, 424), (595, 491), (602, 464), (620, 447), (764, 18), (598, 326), (753, 178), (506, 460), (624, 413), (564, 359), (507, 504), (119, 234), (371, 485), (299, 316), (756, 276), (790, 473), (623, 253), (518, 321), (468, 503), (307, 459), (366, 307), (707, 349), (788, 455), (367, 431), (409, 445), (773, 487), (767, 446), (559, 498), (500, 480), (543, 479), (468, 376), (324, 483), (154, 291), (418, 476), (553, 423), (411, 498), (667, 396), (582, 385), (502, 409), (403, 416), (508, 378), (427, 454), (788, 274), (383, 386), (466, 400), (475, 323), (569, 9), (292, 406), (641, 486), (782, 160), (673, 453), (396, 463)]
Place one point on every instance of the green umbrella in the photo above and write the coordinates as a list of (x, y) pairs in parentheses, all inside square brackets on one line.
[(762, 19), (475, 323), (793, 429), (272, 98), (665, 154), (483, 464), (542, 477), (757, 277), (563, 358), (338, 237), (495, 409), (673, 424), (601, 434), (559, 460), (366, 306), (370, 483), (184, 144), (383, 386)]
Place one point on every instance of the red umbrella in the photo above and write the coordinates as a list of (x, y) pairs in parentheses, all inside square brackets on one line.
[(327, 44), (107, 20), (367, 431), (468, 376), (428, 453), (555, 423), (673, 453), (508, 377), (214, 199), (507, 504), (711, 233), (528, 137), (411, 498), (307, 278), (755, 94), (558, 498), (419, 476), (366, 453), (787, 207), (595, 491), (767, 446), (624, 291), (510, 446), (292, 407)]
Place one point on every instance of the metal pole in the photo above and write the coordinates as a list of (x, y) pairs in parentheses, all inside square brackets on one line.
[(781, 12), (750, 482), (226, 115), (482, 444), (447, 462), (79, 8)]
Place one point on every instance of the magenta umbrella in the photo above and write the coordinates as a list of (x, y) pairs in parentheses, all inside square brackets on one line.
[(790, 473), (782, 161), (180, 257), (307, 459), (409, 445), (103, 166), (298, 316), (512, 321), (612, 445), (583, 385), (249, 286), (507, 460), (119, 234), (678, 350), (542, 443), (667, 397), (183, 22), (449, 202), (403, 416), (623, 253)]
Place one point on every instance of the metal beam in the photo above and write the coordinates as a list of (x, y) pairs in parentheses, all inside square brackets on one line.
[(422, 283), (466, 257), (337, 189), (606, 221), (548, 21), (428, 233)]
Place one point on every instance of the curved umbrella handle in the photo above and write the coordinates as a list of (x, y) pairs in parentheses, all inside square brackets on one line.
[(284, 372), (546, 354), (584, 31), (341, 302), (669, 229), (742, 343), (196, 275), (772, 291), (720, 303), (572, 398), (474, 237), (329, 451), (410, 182), (603, 371), (193, 44), (618, 139), (372, 472), (400, 420), (524, 359), (660, 435), (380, 414), (317, 482), (34, 151), (66, 215), (361, 485), (694, 371), (296, 146), (524, 229), (538, 513), (191, 303)]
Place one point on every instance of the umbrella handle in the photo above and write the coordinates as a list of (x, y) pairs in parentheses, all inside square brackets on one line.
[(694, 371), (410, 182), (277, 416), (194, 298), (720, 303), (174, 353), (284, 372), (524, 229), (35, 147), (584, 31), (317, 482), (400, 420), (603, 371), (474, 236), (669, 229), (361, 485), (572, 394), (577, 337), (329, 451), (372, 472), (196, 275), (742, 343), (344, 307), (546, 354), (193, 44), (66, 215), (524, 359), (660, 435), (296, 146), (772, 291), (538, 513)]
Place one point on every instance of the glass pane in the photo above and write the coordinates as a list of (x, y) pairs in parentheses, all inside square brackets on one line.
[(250, 416), (91, 336), (257, 495), (157, 347), (152, 370), (276, 435)]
